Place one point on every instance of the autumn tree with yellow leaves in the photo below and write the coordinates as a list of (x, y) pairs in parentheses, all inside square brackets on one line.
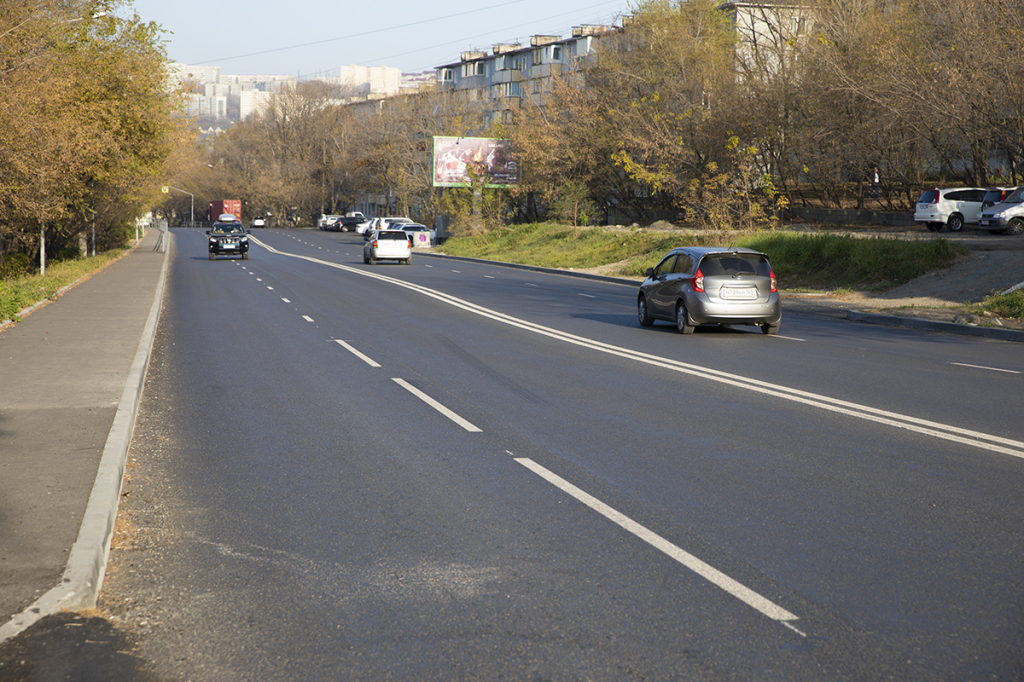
[(86, 123)]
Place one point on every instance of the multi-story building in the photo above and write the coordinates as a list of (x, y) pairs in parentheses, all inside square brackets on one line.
[(213, 94), (513, 73)]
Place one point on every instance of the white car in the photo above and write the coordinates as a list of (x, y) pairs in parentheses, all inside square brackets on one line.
[(387, 245), (385, 223), (952, 207)]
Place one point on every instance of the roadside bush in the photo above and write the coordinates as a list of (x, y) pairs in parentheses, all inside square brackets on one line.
[(15, 265), (66, 253), (839, 261)]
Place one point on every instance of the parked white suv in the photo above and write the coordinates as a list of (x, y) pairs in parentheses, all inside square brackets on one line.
[(953, 207), (1007, 216)]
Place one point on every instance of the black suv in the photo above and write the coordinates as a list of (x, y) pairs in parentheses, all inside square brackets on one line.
[(229, 239), (348, 223)]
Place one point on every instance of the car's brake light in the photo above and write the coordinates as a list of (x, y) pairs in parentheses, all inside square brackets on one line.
[(697, 281), (774, 280), (374, 245)]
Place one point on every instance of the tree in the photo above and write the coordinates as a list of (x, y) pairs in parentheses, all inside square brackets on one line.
[(85, 119)]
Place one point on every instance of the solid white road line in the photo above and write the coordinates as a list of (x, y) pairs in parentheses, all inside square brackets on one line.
[(588, 296), (706, 571), (436, 405), (977, 439), (991, 369), (356, 353)]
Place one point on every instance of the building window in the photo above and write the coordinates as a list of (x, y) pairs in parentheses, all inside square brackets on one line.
[(556, 53)]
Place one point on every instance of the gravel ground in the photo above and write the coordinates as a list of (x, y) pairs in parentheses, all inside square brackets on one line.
[(944, 295)]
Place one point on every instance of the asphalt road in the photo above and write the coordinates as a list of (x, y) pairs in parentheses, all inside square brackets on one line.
[(457, 471)]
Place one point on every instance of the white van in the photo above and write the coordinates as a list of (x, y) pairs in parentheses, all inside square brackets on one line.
[(953, 207)]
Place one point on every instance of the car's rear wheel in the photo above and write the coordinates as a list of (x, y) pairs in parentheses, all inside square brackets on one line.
[(643, 315), (373, 261), (1016, 226), (213, 256), (770, 329), (408, 261), (683, 325), (955, 222), (245, 256)]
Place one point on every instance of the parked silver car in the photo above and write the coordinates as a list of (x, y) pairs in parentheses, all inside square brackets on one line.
[(1007, 216), (693, 286)]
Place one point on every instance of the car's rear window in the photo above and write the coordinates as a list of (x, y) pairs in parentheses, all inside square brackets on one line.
[(993, 196), (392, 234), (929, 196), (734, 264)]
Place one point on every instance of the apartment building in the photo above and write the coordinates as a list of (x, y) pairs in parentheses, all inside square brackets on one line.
[(513, 75)]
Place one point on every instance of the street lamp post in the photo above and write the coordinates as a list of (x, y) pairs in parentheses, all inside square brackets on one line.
[(192, 221)]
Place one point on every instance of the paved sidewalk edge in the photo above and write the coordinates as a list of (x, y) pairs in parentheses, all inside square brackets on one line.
[(87, 561), (935, 326)]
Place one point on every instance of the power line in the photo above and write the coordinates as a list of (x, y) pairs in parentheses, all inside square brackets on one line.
[(360, 35), (503, 30)]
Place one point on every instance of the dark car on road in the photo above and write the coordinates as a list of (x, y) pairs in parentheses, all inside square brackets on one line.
[(228, 237), (694, 286)]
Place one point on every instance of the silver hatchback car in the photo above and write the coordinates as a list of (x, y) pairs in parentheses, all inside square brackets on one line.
[(692, 286)]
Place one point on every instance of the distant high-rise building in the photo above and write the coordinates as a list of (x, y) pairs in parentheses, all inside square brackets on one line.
[(370, 81)]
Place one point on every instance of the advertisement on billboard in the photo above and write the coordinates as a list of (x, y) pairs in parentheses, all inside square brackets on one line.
[(487, 157)]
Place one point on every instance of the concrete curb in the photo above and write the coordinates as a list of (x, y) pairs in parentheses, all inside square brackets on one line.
[(87, 561), (934, 326)]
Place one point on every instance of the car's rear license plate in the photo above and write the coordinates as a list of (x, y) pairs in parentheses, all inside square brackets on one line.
[(744, 293)]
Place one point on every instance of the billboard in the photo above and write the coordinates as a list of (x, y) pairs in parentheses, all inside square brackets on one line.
[(488, 157)]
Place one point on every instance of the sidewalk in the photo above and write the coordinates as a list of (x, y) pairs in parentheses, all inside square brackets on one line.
[(71, 375)]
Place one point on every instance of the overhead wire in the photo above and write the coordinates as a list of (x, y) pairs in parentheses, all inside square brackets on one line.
[(361, 34)]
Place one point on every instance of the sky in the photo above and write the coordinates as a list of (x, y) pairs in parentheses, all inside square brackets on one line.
[(311, 37)]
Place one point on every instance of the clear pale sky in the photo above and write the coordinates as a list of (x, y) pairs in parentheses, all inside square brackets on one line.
[(305, 37)]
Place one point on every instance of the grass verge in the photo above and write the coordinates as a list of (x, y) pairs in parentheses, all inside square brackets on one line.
[(1009, 306), (801, 261), (21, 292)]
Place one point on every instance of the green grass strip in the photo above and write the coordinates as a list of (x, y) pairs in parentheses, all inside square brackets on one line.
[(801, 261), (23, 292)]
